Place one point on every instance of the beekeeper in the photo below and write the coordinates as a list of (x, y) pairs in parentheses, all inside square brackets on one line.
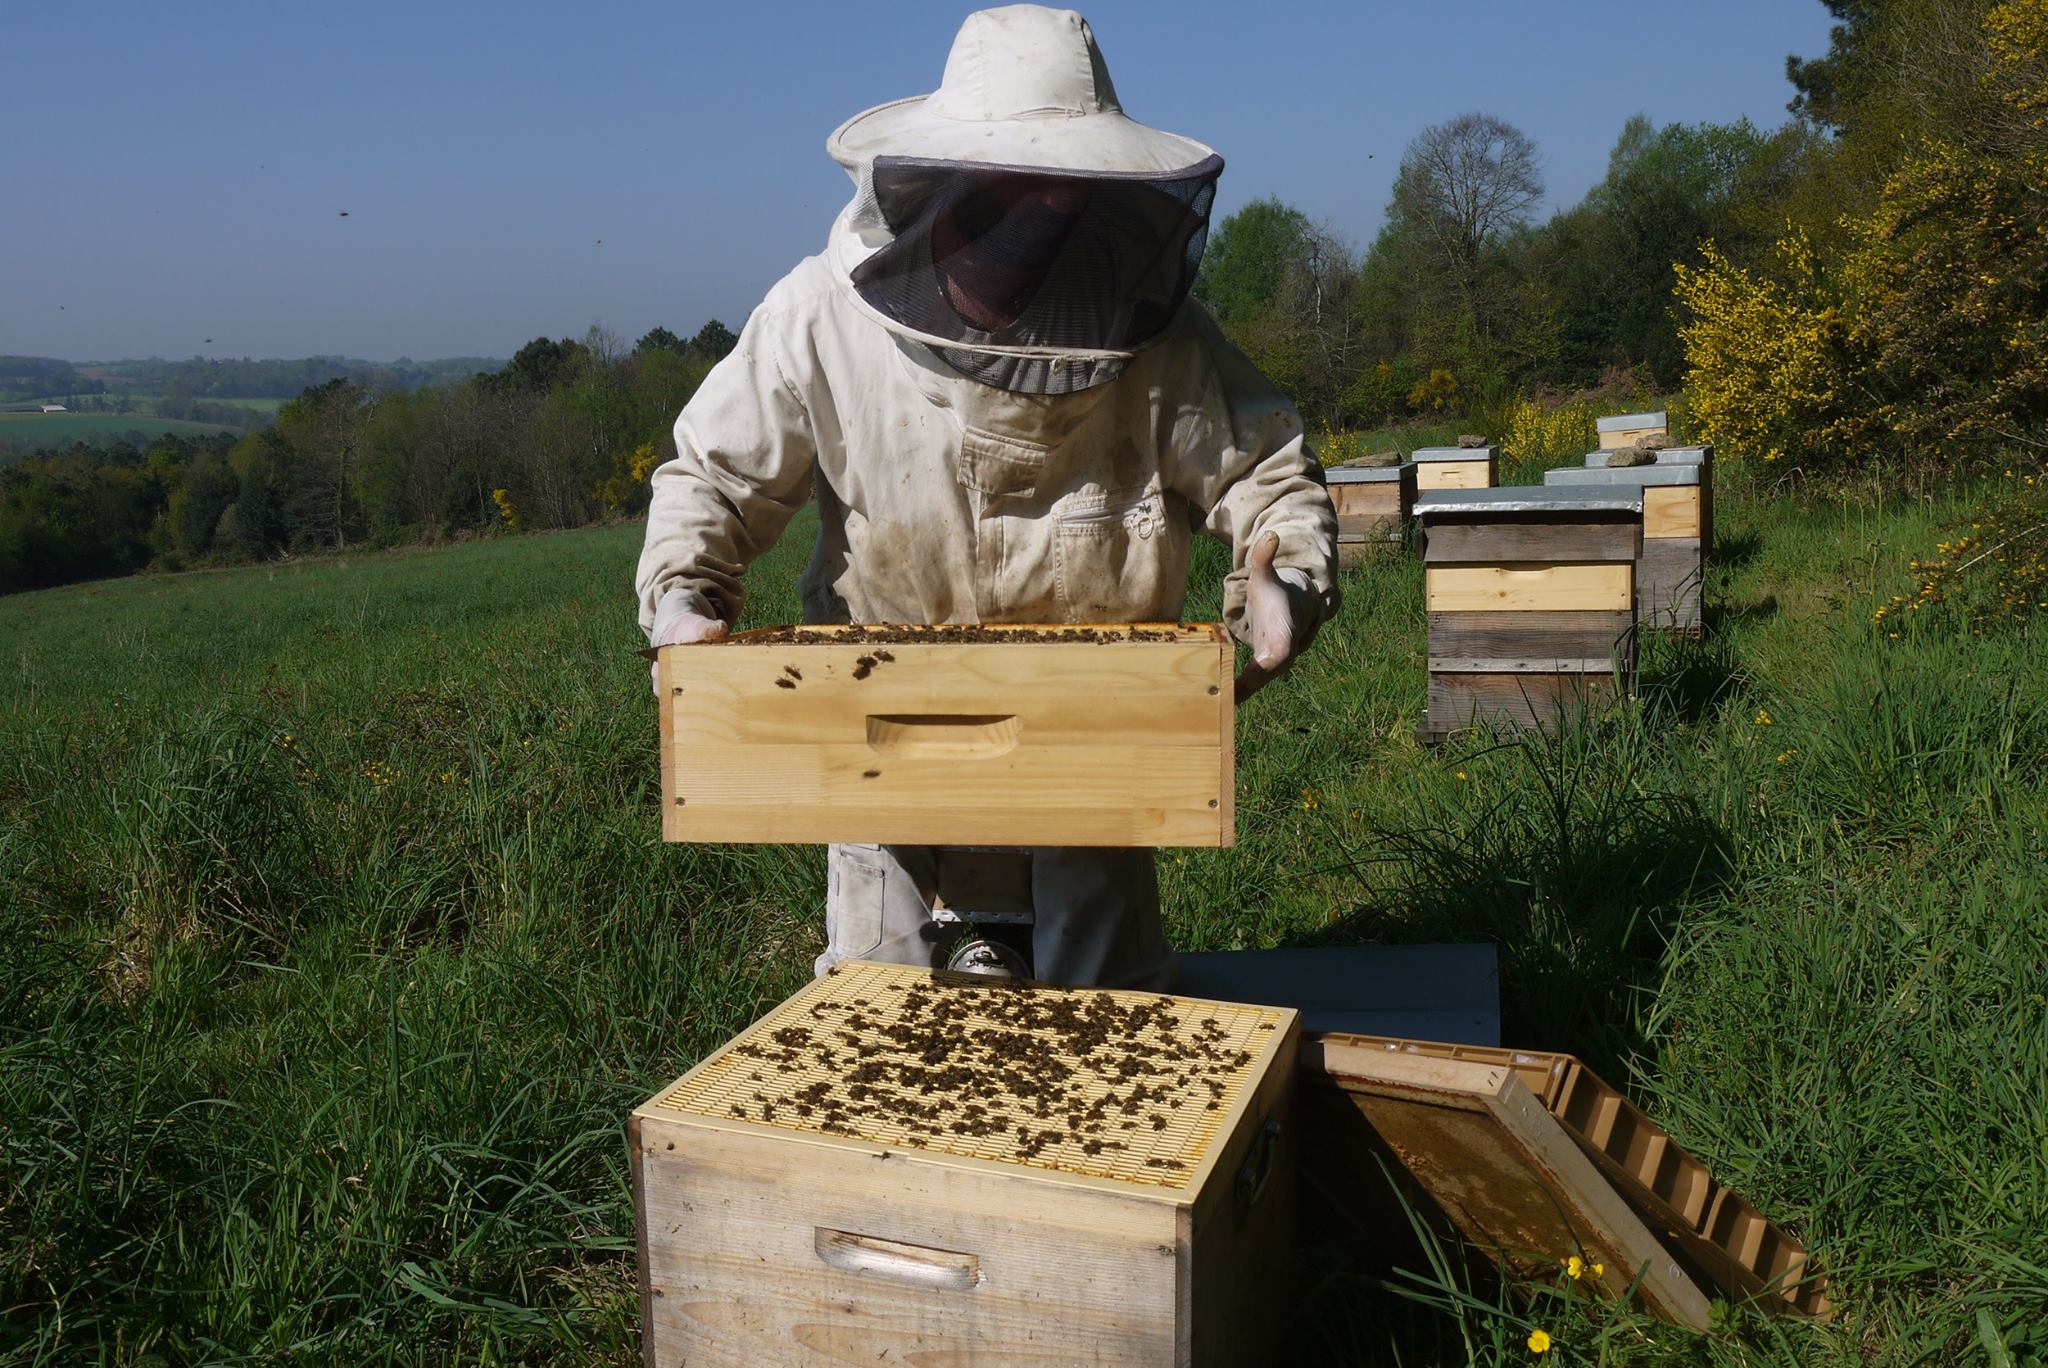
[(995, 385)]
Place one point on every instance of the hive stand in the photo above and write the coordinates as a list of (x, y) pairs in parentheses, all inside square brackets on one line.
[(1625, 429), (1456, 467), (1676, 522), (903, 1167), (1374, 504), (1531, 601)]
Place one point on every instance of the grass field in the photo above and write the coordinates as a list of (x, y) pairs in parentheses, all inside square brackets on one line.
[(339, 941), (61, 429)]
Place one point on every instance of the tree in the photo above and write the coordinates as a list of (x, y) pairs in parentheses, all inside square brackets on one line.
[(714, 341), (1249, 258), (1465, 186), (659, 339)]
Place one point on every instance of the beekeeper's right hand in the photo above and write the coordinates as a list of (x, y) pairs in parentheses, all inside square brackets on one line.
[(679, 620)]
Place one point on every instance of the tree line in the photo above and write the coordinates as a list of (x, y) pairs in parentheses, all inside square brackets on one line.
[(563, 434), (1862, 290), (1865, 287)]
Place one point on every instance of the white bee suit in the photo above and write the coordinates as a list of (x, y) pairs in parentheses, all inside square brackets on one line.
[(946, 500)]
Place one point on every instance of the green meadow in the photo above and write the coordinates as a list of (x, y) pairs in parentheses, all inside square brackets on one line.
[(55, 429), (338, 940)]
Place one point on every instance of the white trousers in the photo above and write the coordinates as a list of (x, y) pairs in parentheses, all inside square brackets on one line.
[(1095, 910)]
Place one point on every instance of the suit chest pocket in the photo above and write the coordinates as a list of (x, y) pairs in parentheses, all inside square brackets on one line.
[(1111, 550)]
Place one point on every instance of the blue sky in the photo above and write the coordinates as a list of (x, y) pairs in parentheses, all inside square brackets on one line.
[(178, 172)]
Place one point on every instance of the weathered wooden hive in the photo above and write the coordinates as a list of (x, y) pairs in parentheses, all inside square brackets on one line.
[(1455, 467), (1531, 602), (966, 735), (1677, 522), (1626, 429), (1374, 503), (904, 1167)]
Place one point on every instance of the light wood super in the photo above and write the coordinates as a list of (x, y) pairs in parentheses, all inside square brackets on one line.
[(1453, 474), (1671, 511), (1002, 743), (1519, 588)]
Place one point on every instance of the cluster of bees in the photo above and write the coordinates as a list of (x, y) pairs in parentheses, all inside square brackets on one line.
[(1008, 1070), (952, 634)]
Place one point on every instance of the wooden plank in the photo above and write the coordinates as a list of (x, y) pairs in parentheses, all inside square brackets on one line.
[(1668, 584), (1520, 665), (1517, 701), (1001, 743), (1526, 587), (1503, 1170), (1673, 1192), (1533, 636), (1530, 540), (1671, 511), (1237, 1236), (1454, 474), (1377, 499), (1066, 1274)]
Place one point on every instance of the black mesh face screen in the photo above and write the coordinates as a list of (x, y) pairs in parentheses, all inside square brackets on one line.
[(1014, 257)]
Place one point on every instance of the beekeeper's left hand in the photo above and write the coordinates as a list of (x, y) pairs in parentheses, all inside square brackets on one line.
[(1282, 612)]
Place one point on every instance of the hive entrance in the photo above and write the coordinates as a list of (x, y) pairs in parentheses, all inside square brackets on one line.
[(1130, 1086)]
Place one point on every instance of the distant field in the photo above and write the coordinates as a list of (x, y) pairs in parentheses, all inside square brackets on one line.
[(268, 405), (59, 428)]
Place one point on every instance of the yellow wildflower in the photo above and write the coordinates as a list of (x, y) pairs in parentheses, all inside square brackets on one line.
[(1539, 1341), (1763, 717)]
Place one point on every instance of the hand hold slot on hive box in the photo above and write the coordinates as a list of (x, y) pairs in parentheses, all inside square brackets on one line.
[(916, 1264), (942, 736)]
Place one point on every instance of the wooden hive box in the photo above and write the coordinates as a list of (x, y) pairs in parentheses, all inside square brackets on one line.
[(896, 1166), (1472, 1137), (1374, 503), (1455, 467), (1717, 1235), (1531, 603), (1624, 429), (1677, 516), (1020, 736)]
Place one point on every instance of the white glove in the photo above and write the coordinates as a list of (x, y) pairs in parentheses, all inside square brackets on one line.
[(679, 620), (1281, 615)]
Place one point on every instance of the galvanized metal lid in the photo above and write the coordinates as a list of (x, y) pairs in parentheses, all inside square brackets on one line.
[(1617, 475), (1483, 453), (1625, 422), (1688, 455), (1596, 498), (1350, 474)]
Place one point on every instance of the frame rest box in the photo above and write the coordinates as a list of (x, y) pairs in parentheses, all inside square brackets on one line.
[(896, 1166)]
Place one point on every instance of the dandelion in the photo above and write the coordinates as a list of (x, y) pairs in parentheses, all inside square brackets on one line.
[(1539, 1341)]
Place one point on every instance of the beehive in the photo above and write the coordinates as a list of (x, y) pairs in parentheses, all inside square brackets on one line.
[(1455, 467), (1531, 603), (1013, 735), (1676, 529), (1626, 429), (1374, 503), (897, 1166)]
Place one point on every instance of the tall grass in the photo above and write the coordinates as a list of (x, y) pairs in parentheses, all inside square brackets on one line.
[(339, 940)]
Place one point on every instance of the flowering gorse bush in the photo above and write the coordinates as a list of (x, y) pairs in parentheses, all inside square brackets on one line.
[(1995, 574), (1535, 437), (1769, 355)]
